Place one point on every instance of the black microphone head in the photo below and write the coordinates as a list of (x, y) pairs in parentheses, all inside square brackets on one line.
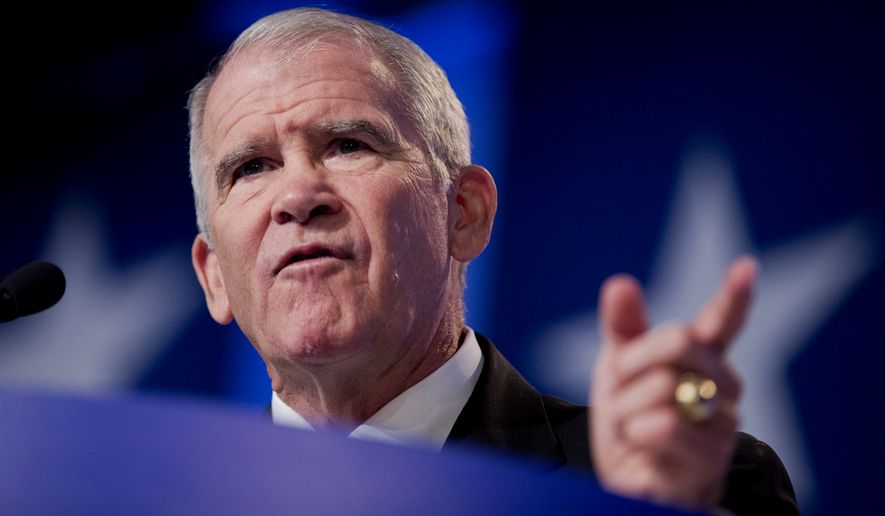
[(30, 289)]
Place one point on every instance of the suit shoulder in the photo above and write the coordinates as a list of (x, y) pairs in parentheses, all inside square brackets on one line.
[(561, 410), (569, 422), (757, 481)]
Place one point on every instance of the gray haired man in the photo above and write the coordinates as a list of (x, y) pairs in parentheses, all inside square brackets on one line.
[(338, 209)]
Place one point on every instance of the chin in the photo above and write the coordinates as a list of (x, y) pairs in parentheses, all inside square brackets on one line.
[(322, 345), (324, 330)]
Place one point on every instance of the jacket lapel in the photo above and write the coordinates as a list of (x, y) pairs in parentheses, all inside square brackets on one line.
[(505, 412)]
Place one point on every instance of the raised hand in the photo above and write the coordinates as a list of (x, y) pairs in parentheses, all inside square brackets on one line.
[(643, 444)]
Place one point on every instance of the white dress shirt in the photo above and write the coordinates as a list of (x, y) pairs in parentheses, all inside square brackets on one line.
[(424, 414)]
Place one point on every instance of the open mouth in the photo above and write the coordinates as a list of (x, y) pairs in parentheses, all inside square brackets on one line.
[(321, 253), (309, 254)]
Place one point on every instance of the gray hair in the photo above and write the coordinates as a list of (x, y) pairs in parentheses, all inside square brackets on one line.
[(429, 102)]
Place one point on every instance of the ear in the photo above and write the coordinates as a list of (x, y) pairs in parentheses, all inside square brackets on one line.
[(209, 274), (473, 212)]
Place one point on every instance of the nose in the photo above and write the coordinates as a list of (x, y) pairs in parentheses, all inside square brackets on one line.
[(304, 194)]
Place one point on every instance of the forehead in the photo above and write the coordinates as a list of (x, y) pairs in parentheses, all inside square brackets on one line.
[(313, 80)]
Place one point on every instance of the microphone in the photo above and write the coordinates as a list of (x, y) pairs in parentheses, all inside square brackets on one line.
[(30, 289)]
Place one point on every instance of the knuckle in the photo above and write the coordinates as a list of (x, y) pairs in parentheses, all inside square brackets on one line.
[(665, 380), (668, 427), (677, 338)]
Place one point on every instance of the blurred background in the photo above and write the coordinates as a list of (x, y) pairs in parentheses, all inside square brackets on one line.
[(658, 140)]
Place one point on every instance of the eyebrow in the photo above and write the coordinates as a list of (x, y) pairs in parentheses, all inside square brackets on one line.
[(232, 159), (380, 134)]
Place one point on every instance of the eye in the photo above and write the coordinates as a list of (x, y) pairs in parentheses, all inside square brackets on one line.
[(250, 168), (349, 146), (351, 155)]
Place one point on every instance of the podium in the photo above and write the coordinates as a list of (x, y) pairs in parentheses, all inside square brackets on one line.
[(133, 454)]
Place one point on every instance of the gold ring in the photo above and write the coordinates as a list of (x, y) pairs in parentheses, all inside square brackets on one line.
[(696, 397)]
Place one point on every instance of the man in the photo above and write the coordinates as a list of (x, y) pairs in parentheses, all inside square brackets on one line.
[(338, 209)]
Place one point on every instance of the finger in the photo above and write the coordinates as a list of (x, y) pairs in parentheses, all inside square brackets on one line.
[(665, 431), (650, 390), (622, 309), (657, 387), (653, 429), (721, 318), (669, 345)]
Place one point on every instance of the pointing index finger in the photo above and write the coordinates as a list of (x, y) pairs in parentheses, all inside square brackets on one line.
[(720, 320)]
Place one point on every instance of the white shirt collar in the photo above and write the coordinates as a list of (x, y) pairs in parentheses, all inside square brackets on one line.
[(423, 414)]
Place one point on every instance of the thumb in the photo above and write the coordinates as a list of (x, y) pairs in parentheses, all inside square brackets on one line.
[(621, 309)]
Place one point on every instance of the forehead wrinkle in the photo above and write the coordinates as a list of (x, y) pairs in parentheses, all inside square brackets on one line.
[(212, 102), (249, 84), (375, 99), (265, 71)]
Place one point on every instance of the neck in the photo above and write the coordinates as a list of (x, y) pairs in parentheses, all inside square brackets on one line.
[(344, 395)]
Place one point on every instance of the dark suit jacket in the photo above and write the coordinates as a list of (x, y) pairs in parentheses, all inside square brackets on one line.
[(506, 413)]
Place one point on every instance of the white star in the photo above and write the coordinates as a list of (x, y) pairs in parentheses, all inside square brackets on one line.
[(800, 283), (110, 325)]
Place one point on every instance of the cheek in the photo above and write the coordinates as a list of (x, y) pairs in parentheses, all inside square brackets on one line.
[(238, 240), (237, 283), (239, 226), (417, 232)]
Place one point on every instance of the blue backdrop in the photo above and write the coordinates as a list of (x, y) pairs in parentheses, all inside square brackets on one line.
[(656, 140)]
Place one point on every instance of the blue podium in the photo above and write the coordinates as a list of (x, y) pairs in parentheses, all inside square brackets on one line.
[(62, 454)]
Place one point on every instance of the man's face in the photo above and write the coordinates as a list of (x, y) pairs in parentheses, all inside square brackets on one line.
[(329, 235)]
